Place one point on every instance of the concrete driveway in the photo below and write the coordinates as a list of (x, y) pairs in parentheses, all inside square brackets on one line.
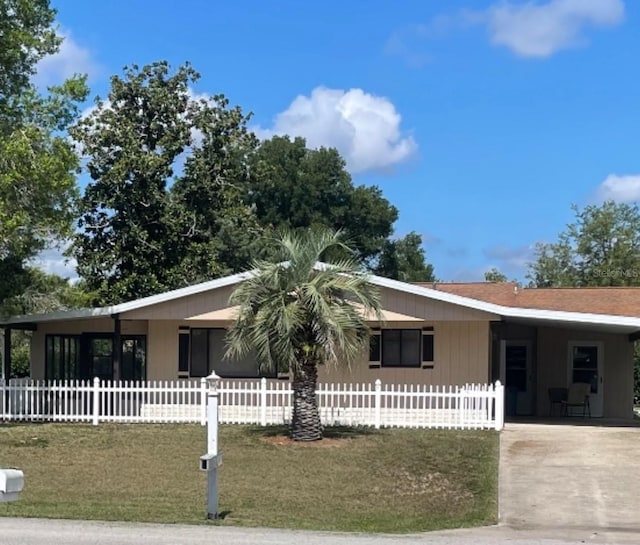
[(570, 477)]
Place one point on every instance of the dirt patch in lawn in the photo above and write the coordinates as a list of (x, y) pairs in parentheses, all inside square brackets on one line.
[(286, 441)]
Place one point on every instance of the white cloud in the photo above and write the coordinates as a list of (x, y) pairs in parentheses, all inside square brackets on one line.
[(71, 59), (532, 29), (624, 188), (363, 127), (536, 29), (52, 261)]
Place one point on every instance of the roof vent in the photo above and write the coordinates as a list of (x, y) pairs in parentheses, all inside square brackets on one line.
[(515, 289)]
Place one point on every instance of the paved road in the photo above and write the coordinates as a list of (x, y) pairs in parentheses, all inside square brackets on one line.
[(15, 531), (570, 477)]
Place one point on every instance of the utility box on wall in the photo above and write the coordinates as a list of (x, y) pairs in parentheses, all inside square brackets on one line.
[(11, 484)]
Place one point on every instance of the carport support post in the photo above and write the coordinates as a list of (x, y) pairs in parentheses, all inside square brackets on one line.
[(499, 416), (117, 347), (212, 445)]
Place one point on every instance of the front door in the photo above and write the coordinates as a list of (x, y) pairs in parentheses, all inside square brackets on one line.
[(586, 365), (518, 377)]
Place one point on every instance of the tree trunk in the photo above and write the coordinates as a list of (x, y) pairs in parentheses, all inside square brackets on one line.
[(305, 423)]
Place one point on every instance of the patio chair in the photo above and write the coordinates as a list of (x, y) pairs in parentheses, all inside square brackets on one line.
[(578, 396), (556, 397)]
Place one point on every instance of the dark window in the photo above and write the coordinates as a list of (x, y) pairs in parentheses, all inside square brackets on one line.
[(374, 348), (62, 356), (183, 352), (585, 366), (199, 352), (134, 357), (401, 347), (91, 355), (208, 354), (427, 347), (516, 367), (99, 356)]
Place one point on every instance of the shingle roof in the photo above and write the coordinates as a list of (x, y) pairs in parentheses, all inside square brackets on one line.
[(616, 301)]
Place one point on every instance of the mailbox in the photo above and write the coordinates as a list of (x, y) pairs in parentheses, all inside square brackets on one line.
[(11, 484), (209, 462)]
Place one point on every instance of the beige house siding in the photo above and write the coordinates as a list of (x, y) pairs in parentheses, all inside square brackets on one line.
[(461, 351), (461, 354), (617, 371), (162, 350), (185, 307), (205, 306), (429, 309), (75, 327)]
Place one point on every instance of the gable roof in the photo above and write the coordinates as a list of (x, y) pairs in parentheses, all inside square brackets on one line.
[(501, 300)]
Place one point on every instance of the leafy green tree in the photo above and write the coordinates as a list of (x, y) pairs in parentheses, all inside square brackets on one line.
[(168, 204), (26, 36), (296, 187), (600, 248), (37, 162), (44, 292), (292, 316), (494, 275), (404, 259), (217, 230), (133, 142)]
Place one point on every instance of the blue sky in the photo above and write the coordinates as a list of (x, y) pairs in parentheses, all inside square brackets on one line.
[(481, 121)]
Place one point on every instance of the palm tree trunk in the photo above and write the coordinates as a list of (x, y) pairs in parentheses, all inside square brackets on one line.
[(305, 423)]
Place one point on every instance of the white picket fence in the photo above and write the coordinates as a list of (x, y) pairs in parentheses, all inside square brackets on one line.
[(264, 402)]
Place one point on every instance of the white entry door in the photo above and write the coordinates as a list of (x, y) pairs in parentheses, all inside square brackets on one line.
[(586, 363), (517, 370)]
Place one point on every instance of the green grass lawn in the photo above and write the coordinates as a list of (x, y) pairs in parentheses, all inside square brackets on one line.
[(356, 480)]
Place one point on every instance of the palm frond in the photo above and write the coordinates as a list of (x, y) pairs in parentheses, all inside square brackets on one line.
[(294, 306)]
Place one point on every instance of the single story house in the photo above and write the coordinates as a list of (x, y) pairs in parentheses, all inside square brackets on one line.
[(440, 334)]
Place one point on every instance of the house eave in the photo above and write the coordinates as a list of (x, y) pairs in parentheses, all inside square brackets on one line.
[(494, 311)]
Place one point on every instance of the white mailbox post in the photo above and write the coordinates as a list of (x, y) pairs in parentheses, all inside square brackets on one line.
[(11, 484), (212, 460)]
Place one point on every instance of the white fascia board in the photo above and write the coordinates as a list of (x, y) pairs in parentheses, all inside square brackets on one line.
[(61, 315), (577, 317)]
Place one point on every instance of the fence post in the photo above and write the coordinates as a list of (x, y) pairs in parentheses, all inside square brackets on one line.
[(5, 393), (203, 401), (263, 401), (461, 393), (378, 404), (96, 400), (499, 398)]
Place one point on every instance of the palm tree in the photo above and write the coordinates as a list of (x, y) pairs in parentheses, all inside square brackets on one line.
[(297, 313)]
